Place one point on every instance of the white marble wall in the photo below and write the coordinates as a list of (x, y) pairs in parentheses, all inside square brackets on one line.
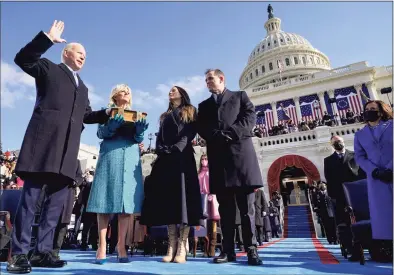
[(314, 149)]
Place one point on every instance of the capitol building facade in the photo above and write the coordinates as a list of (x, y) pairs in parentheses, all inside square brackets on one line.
[(286, 74)]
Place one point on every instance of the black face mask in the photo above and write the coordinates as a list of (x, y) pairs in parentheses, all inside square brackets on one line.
[(371, 116), (338, 146)]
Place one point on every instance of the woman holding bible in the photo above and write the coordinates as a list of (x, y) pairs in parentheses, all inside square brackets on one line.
[(117, 186)]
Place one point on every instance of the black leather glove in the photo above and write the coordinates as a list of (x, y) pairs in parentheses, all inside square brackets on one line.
[(165, 150), (222, 135), (72, 184), (385, 175), (228, 135)]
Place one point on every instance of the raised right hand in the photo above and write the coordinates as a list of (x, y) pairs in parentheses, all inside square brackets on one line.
[(115, 122), (56, 31)]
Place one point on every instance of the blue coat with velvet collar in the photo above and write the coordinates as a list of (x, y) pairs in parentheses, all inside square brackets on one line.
[(376, 151)]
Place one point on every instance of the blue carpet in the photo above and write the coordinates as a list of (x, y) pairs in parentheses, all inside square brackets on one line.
[(289, 256), (298, 225)]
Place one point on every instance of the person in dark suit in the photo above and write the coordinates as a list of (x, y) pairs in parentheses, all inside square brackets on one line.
[(327, 213), (225, 121), (48, 156), (65, 217), (262, 217), (340, 167)]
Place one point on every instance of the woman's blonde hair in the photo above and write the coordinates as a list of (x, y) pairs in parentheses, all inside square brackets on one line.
[(117, 89)]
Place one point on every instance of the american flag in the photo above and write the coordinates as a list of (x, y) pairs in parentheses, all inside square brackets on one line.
[(286, 109), (267, 118), (347, 98), (308, 110)]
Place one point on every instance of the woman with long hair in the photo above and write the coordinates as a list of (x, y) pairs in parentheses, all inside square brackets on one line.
[(117, 186), (175, 197), (373, 147), (210, 204)]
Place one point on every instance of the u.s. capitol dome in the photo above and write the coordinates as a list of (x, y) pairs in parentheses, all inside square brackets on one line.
[(281, 55)]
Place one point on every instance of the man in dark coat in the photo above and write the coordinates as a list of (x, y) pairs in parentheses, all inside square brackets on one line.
[(48, 156), (327, 213), (262, 217), (340, 167), (225, 121)]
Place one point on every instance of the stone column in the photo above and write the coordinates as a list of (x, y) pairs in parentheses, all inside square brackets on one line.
[(359, 89), (335, 111), (275, 112), (373, 95), (298, 109), (322, 101)]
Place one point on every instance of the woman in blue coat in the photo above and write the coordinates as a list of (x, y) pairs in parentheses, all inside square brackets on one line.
[(373, 146), (117, 187)]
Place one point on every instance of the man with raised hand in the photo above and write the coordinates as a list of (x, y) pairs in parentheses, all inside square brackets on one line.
[(48, 157)]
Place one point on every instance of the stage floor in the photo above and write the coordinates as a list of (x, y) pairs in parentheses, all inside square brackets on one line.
[(281, 256)]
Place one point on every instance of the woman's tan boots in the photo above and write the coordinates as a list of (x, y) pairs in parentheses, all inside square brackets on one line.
[(181, 250), (172, 244)]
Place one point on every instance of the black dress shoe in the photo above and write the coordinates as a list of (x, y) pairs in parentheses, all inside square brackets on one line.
[(46, 260), (354, 258), (253, 257), (19, 264), (224, 258)]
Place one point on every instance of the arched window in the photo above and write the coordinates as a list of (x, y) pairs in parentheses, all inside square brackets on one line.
[(287, 62), (311, 59), (251, 76), (303, 60), (270, 65), (295, 60), (263, 69), (256, 72)]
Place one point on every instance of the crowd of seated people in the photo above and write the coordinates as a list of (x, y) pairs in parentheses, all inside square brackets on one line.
[(9, 180), (286, 127)]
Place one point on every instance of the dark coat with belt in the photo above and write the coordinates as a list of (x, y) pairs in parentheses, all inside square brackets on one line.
[(172, 191), (52, 138), (261, 206), (233, 163), (69, 200)]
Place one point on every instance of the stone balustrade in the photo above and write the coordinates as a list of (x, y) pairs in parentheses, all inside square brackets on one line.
[(319, 75), (313, 137), (306, 139)]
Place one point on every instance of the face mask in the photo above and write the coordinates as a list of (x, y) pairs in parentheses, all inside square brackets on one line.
[(371, 116), (204, 163), (89, 178), (338, 146)]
